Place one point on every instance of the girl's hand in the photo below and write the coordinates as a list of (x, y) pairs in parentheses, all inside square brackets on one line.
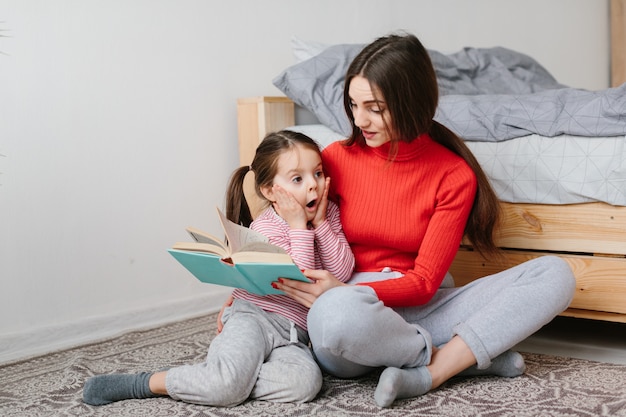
[(288, 208), (228, 303), (320, 215), (306, 293)]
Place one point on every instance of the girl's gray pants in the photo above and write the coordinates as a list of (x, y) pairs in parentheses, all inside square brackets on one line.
[(257, 355)]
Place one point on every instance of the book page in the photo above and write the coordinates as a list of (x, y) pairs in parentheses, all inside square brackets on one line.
[(262, 247), (201, 247), (203, 237), (237, 235), (257, 257)]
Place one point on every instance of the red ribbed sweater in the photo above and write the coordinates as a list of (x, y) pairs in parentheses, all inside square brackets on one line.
[(408, 214)]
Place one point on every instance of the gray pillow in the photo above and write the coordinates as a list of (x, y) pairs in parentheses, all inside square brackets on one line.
[(317, 84)]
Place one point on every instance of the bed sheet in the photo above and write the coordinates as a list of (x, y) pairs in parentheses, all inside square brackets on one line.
[(543, 170)]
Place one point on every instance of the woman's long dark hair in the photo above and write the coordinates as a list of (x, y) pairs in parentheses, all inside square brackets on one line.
[(399, 68)]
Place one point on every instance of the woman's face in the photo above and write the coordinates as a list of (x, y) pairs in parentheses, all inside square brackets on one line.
[(370, 113)]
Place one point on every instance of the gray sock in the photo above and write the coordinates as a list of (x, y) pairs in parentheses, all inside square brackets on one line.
[(105, 389), (507, 364), (396, 383)]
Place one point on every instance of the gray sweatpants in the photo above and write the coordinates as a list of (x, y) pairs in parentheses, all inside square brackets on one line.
[(352, 332), (257, 355)]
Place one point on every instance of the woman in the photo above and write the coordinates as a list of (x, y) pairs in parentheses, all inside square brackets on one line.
[(409, 190)]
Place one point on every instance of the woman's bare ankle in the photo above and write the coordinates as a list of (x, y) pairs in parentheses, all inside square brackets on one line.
[(449, 360)]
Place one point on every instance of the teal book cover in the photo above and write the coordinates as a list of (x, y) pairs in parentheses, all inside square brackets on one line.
[(254, 277)]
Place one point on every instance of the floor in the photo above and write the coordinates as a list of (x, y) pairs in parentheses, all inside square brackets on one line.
[(579, 338)]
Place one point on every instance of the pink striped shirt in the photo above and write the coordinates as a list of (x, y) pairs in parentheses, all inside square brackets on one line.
[(324, 247)]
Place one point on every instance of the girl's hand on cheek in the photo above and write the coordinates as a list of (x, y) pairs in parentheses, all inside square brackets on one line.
[(288, 208), (320, 215)]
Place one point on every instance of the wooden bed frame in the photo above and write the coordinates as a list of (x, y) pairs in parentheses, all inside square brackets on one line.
[(591, 237)]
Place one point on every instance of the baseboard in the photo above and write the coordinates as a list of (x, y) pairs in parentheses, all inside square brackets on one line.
[(592, 352), (39, 341), (595, 340)]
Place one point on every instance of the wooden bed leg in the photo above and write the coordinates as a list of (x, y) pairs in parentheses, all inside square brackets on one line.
[(618, 42)]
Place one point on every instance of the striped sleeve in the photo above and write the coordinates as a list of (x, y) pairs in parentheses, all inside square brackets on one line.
[(332, 245)]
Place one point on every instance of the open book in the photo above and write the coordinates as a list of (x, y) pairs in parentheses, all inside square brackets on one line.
[(245, 260)]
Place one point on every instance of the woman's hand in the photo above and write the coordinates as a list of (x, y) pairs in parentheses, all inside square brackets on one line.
[(228, 303), (306, 293)]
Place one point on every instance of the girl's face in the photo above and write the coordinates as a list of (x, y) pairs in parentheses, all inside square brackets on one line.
[(300, 173), (370, 114)]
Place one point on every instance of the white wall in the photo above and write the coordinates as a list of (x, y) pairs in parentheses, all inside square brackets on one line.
[(118, 129)]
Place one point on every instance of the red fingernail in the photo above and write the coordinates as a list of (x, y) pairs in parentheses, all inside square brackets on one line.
[(274, 285), (280, 280)]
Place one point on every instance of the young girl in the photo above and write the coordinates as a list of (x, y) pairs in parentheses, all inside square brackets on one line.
[(262, 349)]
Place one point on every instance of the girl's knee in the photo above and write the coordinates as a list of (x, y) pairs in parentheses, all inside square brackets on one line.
[(306, 385), (225, 393), (288, 380), (229, 395)]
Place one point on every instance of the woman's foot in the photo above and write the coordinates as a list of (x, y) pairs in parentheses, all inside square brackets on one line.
[(508, 364), (396, 383)]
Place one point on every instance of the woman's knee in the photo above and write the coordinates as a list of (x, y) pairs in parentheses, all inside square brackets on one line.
[(560, 272), (336, 313), (558, 277), (566, 275)]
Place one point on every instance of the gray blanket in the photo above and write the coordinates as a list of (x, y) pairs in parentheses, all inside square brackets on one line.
[(548, 113), (474, 71), (497, 94), (487, 94)]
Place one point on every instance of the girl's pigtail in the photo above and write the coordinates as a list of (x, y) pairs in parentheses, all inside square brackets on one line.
[(237, 209)]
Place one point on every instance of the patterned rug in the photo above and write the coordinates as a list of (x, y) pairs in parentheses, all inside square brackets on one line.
[(51, 385)]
